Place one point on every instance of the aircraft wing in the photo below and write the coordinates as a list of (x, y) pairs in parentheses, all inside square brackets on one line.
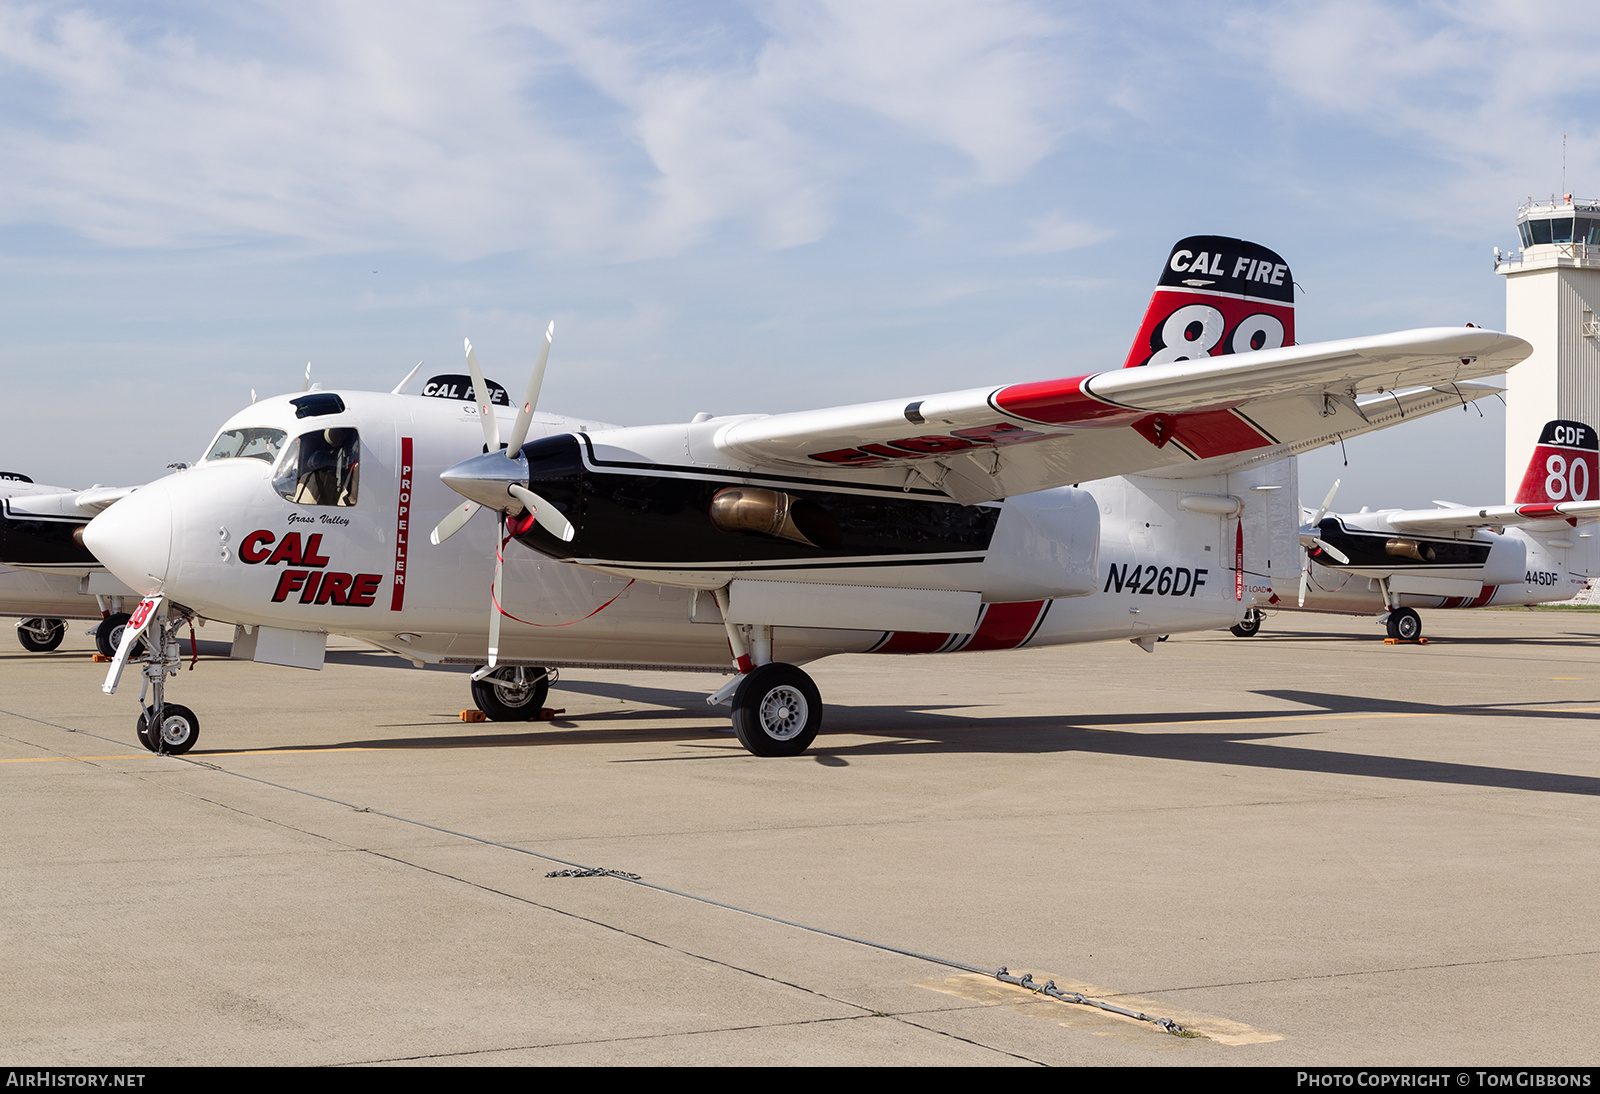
[(1426, 521), (993, 442)]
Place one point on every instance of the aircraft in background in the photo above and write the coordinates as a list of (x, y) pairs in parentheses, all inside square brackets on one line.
[(1539, 549), (1130, 504), (47, 576)]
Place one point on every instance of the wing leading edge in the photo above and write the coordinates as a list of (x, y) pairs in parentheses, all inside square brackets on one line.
[(992, 442)]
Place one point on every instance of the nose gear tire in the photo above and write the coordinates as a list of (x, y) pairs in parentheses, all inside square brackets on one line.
[(180, 729)]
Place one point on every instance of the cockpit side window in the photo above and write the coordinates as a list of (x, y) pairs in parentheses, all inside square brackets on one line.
[(322, 467), (247, 443)]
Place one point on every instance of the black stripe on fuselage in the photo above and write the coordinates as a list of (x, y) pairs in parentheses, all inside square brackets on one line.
[(659, 516)]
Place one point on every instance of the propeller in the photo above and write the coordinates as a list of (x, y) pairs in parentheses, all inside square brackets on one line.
[(1310, 539), (497, 480)]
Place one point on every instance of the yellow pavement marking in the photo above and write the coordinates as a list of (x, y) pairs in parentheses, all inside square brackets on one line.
[(993, 993), (136, 755)]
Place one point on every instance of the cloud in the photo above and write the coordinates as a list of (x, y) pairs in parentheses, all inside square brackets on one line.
[(1054, 233), (596, 130), (1484, 89)]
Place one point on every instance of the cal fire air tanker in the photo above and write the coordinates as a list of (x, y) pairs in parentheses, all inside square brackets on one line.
[(1390, 562), (46, 575), (1121, 504)]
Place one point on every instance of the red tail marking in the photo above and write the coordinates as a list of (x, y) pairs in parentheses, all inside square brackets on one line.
[(1565, 467), (1211, 324)]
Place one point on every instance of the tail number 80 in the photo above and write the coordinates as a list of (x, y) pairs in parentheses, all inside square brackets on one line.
[(1560, 478)]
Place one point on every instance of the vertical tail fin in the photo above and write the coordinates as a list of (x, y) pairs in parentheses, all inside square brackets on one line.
[(1216, 295), (1565, 466)]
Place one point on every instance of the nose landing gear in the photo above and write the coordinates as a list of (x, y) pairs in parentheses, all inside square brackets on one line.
[(151, 637)]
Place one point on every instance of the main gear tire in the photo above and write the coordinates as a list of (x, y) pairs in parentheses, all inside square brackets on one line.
[(777, 711), (42, 635), (512, 693), (108, 636), (1404, 625), (1249, 626)]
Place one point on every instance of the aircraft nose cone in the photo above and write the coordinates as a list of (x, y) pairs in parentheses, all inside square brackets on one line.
[(485, 479), (133, 539)]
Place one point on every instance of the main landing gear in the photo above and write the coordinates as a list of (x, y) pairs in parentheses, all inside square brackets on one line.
[(1249, 626), (108, 635), (41, 635), (513, 693), (777, 709), (1404, 625)]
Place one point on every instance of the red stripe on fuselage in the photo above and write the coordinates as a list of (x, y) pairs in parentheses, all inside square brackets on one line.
[(913, 642), (1006, 626)]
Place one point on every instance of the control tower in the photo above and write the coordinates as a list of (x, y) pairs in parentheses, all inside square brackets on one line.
[(1552, 298)]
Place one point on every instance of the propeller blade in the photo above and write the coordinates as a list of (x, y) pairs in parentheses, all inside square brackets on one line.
[(548, 516), (452, 522), (1305, 576), (494, 595), (519, 430), (491, 427), (1337, 555), (1327, 501), (307, 385)]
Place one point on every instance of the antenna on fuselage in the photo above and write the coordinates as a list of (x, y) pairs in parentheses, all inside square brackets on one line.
[(412, 375)]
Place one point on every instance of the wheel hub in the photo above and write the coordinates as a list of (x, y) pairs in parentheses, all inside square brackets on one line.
[(783, 713), (514, 688), (174, 730)]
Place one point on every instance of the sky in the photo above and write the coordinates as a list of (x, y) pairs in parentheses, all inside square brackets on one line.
[(740, 207)]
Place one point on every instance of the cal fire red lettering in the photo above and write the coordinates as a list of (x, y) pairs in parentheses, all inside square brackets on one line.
[(290, 581), (253, 548), (288, 550)]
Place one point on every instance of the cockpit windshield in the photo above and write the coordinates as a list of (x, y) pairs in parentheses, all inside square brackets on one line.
[(247, 443), (323, 467)]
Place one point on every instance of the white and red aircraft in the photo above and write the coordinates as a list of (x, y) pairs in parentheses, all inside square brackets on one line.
[(46, 576), (1127, 504), (1538, 549)]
